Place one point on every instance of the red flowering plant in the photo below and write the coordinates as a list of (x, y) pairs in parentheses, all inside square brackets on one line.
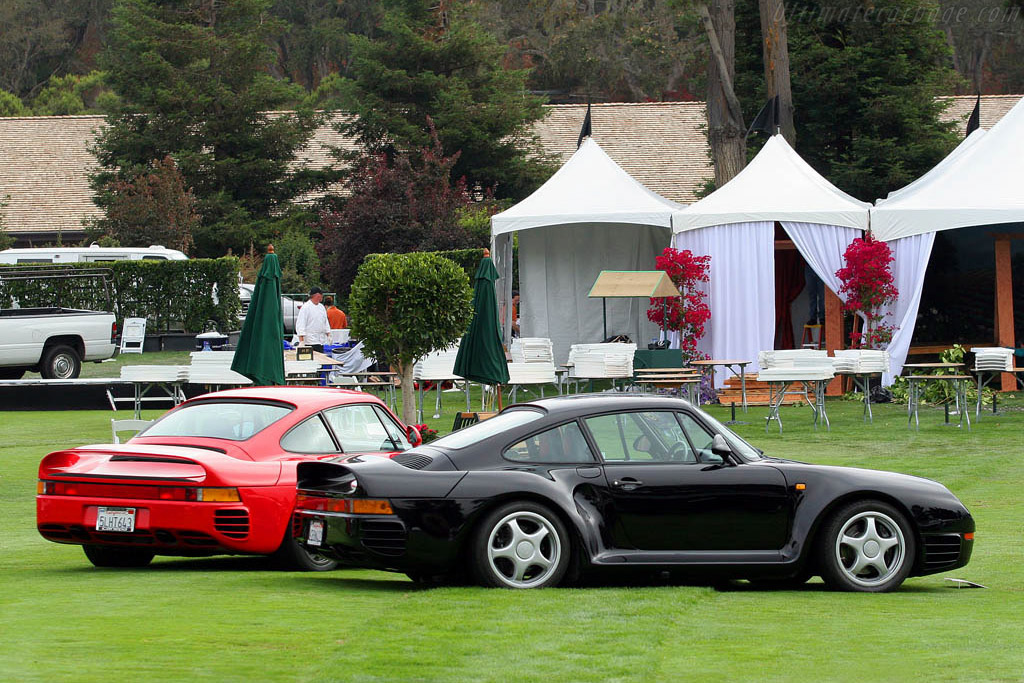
[(868, 288), (426, 433), (687, 313)]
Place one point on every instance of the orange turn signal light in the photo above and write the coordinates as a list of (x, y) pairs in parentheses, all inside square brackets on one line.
[(969, 536), (218, 495), (800, 487), (367, 506)]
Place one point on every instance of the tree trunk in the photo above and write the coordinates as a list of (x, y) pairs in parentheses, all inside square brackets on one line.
[(725, 116), (775, 39), (408, 394)]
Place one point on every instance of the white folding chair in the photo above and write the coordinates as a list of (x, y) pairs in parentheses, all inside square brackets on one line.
[(133, 335), (134, 426)]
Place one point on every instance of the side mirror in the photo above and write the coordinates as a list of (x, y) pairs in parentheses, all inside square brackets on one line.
[(719, 446), (413, 435)]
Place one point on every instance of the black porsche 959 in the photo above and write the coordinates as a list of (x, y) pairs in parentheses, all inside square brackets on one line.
[(545, 492)]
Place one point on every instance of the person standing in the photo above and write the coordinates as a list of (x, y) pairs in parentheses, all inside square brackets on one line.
[(335, 316), (312, 326)]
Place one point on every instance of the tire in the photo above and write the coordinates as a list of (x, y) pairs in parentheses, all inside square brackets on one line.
[(520, 545), (111, 556), (294, 557), (867, 546), (60, 362), (12, 373)]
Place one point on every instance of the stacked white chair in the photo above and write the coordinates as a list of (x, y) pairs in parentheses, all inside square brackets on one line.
[(213, 368), (532, 350), (437, 366), (596, 361), (993, 359), (811, 367)]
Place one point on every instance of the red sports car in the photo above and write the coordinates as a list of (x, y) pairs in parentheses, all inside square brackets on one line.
[(215, 475)]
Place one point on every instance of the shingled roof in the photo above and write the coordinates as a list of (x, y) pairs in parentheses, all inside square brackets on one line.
[(45, 161), (993, 108)]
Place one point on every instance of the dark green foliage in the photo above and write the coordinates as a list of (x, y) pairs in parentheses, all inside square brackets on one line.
[(426, 62), (172, 294), (399, 204), (193, 80), (864, 88), (403, 306)]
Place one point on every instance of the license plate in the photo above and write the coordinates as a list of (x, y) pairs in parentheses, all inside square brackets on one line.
[(316, 532), (115, 519)]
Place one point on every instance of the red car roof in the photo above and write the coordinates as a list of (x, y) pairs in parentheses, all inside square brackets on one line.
[(314, 398)]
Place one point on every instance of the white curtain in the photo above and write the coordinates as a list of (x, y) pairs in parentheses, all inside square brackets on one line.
[(741, 291), (822, 246), (559, 264), (911, 261)]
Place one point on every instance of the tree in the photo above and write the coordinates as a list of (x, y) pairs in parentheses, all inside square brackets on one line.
[(687, 312), (775, 50), (864, 81), (403, 306), (153, 207), (724, 112), (6, 241), (868, 288), (430, 60), (192, 75), (401, 203), (74, 94)]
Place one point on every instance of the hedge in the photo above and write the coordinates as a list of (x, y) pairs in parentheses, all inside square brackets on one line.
[(179, 295)]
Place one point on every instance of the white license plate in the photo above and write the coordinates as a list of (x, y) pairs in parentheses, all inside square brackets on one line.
[(115, 519), (316, 532)]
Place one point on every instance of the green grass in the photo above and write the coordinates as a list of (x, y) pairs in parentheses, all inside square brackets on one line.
[(233, 618)]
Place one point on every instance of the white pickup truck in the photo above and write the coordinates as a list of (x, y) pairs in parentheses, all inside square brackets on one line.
[(53, 341)]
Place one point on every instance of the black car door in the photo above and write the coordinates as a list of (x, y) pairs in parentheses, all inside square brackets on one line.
[(667, 491)]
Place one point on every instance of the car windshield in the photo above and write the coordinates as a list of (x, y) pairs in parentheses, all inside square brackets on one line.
[(739, 446), (488, 428), (219, 420)]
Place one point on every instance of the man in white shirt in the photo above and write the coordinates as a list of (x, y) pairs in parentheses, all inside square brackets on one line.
[(311, 326)]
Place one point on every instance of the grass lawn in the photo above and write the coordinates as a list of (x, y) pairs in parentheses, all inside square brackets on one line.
[(233, 618)]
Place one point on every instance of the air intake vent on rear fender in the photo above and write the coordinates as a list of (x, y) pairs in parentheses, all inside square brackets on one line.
[(414, 461), (232, 523)]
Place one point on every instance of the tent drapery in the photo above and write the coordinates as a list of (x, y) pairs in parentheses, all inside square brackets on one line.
[(741, 290), (911, 256), (557, 269), (822, 246)]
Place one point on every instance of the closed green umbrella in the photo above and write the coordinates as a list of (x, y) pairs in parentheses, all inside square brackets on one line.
[(481, 356), (260, 355)]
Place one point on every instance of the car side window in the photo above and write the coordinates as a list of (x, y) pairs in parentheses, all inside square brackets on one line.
[(310, 436), (561, 444), (699, 436), (359, 429), (393, 430), (640, 437)]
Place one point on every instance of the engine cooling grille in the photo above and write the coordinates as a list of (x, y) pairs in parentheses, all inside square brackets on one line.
[(383, 536), (414, 461), (232, 523)]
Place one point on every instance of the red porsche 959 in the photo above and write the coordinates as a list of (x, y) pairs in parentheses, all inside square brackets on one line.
[(216, 475)]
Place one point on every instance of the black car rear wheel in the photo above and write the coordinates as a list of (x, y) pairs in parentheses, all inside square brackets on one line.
[(60, 362), (867, 546), (521, 545), (111, 556)]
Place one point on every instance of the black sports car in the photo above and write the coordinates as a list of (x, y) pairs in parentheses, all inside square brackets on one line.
[(545, 491)]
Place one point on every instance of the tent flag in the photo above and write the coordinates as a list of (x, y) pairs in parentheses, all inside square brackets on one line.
[(767, 120), (585, 131), (974, 123)]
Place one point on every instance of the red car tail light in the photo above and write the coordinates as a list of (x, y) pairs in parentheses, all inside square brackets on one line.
[(135, 491)]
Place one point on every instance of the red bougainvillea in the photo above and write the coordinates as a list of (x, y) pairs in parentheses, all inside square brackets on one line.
[(688, 313), (867, 288)]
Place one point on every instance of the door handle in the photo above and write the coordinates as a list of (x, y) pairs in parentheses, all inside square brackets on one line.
[(627, 483)]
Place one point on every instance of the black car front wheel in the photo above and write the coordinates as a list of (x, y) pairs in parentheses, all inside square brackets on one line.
[(521, 545), (867, 546), (111, 556)]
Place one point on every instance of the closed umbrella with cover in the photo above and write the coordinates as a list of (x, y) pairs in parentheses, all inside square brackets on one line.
[(481, 356), (260, 355)]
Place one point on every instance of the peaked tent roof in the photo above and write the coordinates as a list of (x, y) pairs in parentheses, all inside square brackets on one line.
[(777, 185), (981, 185), (589, 188), (965, 146)]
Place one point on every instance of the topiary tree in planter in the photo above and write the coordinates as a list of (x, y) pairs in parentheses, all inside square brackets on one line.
[(403, 306)]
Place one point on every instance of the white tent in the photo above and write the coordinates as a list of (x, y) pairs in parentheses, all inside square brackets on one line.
[(735, 225), (595, 217), (979, 183)]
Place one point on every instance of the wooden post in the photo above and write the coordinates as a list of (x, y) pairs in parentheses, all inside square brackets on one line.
[(833, 335), (1004, 304)]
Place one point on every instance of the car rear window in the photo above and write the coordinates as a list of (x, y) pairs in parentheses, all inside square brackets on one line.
[(488, 428), (219, 420)]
